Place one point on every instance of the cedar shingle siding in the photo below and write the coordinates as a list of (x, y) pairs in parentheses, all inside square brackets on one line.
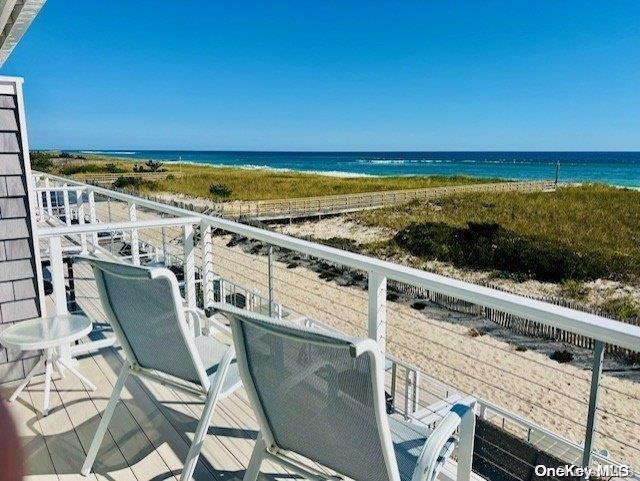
[(18, 289)]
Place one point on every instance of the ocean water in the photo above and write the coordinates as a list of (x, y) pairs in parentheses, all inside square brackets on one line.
[(615, 168)]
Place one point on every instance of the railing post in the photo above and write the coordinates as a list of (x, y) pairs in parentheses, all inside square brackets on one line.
[(40, 206), (80, 215), (111, 233), (67, 208), (598, 357), (377, 286), (189, 266), (48, 196), (165, 258), (57, 275), (207, 264), (270, 280), (133, 237), (93, 218)]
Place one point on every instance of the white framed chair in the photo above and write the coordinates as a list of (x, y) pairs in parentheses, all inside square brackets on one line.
[(145, 310), (321, 395)]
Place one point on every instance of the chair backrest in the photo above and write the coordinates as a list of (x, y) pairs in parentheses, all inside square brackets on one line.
[(145, 310), (316, 394)]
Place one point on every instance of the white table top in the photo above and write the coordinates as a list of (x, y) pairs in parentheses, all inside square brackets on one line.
[(44, 333)]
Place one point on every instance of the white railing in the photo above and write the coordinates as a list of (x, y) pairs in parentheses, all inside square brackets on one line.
[(378, 272)]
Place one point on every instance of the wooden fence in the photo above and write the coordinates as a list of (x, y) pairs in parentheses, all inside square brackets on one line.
[(520, 325), (334, 204)]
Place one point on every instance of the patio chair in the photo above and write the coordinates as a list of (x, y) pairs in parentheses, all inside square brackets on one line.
[(321, 396), (146, 313)]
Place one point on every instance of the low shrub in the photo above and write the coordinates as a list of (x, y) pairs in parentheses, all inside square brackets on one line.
[(220, 190), (474, 332), (490, 246), (135, 182), (562, 356), (113, 169), (41, 161), (623, 308), (84, 168)]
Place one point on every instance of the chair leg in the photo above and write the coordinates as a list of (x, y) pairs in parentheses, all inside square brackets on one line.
[(258, 454), (198, 437), (104, 422)]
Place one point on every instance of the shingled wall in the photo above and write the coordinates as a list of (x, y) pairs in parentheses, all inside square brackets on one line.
[(19, 297)]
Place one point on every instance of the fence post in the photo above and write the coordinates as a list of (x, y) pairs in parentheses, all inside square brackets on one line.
[(80, 215), (67, 208), (270, 281), (377, 329), (207, 265), (133, 238), (189, 267), (598, 357), (92, 217)]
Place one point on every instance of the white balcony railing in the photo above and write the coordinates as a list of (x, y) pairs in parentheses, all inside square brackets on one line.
[(221, 260)]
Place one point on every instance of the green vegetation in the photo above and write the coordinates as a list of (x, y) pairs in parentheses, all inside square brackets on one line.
[(134, 183), (91, 168), (576, 233), (220, 191), (622, 308), (150, 166), (265, 184), (41, 161)]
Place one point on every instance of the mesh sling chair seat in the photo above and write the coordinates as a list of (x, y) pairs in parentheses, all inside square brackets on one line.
[(321, 396), (144, 307)]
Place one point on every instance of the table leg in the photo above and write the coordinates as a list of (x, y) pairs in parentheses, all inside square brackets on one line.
[(59, 367), (27, 379), (47, 382), (77, 374)]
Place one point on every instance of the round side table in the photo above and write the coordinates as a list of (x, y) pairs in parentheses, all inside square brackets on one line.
[(49, 335)]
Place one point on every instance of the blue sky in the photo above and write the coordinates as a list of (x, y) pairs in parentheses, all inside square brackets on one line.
[(333, 75)]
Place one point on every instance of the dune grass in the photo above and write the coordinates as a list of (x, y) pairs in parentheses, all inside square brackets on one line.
[(574, 233), (257, 184)]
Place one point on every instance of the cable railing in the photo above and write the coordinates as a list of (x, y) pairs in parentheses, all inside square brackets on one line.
[(573, 413)]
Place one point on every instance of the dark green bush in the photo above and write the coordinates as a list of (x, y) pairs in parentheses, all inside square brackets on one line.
[(220, 190), (154, 166), (41, 160), (83, 168), (135, 182), (490, 246), (113, 169)]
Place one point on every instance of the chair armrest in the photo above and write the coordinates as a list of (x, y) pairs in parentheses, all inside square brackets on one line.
[(442, 441)]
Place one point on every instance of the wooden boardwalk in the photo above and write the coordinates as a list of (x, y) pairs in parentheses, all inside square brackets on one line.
[(282, 209)]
